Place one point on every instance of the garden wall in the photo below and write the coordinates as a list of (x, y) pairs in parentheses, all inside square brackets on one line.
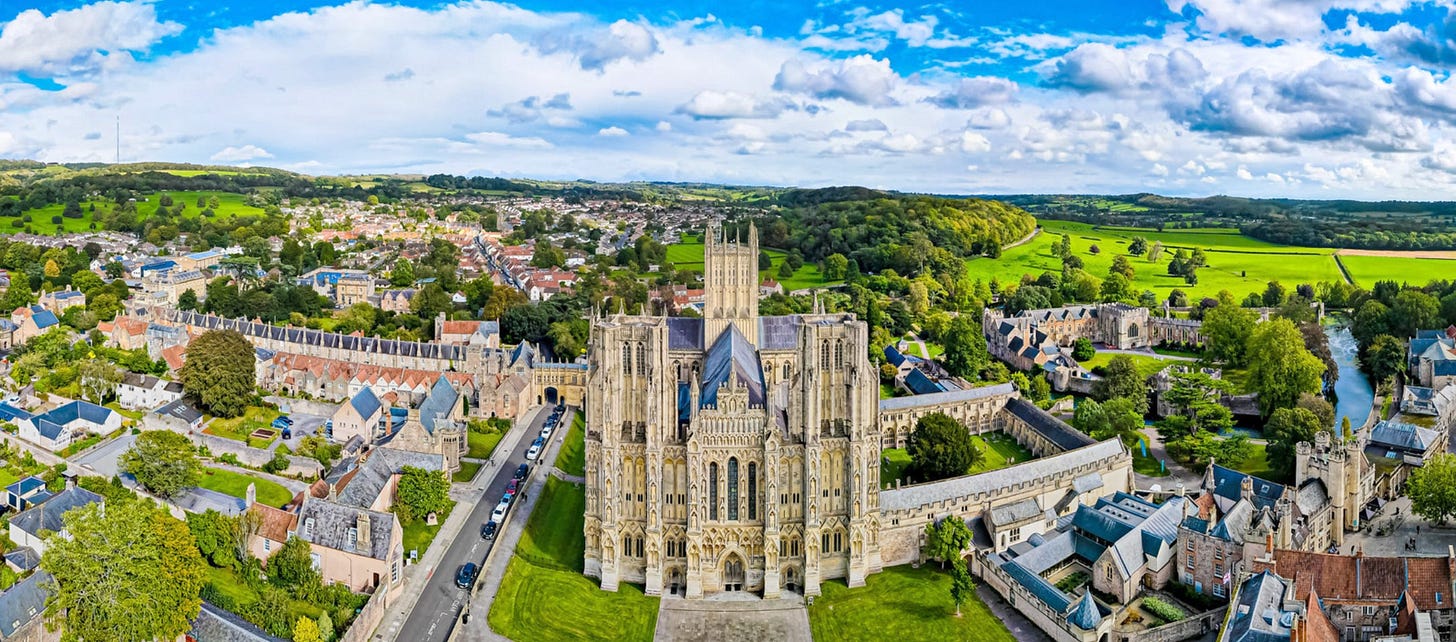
[(1186, 629), (256, 457), (368, 619)]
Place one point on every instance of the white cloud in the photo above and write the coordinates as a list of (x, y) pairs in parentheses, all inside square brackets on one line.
[(501, 139), (861, 79), (973, 143), (916, 33), (664, 126), (78, 41), (730, 104), (978, 91), (612, 132), (241, 154), (597, 48), (866, 125)]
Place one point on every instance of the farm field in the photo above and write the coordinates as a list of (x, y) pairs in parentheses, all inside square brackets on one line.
[(689, 256), (229, 205), (1235, 263), (1365, 270)]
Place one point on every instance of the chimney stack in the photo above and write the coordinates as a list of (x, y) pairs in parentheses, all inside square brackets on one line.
[(250, 496), (362, 524)]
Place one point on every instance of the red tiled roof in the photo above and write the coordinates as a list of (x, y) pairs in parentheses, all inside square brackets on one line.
[(1364, 580), (274, 523)]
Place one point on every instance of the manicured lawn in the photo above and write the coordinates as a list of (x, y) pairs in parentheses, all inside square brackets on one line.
[(893, 464), (998, 450), (134, 415), (572, 458), (418, 534), (887, 391), (467, 471), (689, 256), (1147, 365), (7, 478), (901, 603), (238, 428), (1234, 262), (1256, 464), (544, 596), (482, 444), (1366, 270), (1149, 465), (236, 484)]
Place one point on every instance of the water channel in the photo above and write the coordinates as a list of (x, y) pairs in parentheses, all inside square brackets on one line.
[(1353, 388)]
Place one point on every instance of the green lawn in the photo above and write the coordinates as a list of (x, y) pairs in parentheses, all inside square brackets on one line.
[(229, 205), (1256, 464), (482, 444), (901, 603), (998, 450), (572, 458), (134, 415), (1236, 263), (1366, 270), (418, 534), (238, 428), (1149, 465), (688, 255), (236, 484), (544, 596), (467, 471), (1147, 365), (893, 465)]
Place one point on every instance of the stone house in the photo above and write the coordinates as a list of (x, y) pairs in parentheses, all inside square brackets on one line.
[(360, 548), (361, 416), (436, 427), (145, 392), (1364, 596)]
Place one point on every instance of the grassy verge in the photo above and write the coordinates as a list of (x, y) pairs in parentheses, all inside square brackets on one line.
[(236, 484), (901, 603), (482, 444), (544, 596), (238, 428), (418, 534), (1149, 465), (467, 471), (1256, 464), (572, 458), (134, 415)]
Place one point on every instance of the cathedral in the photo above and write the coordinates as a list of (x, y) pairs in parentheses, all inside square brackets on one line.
[(731, 452)]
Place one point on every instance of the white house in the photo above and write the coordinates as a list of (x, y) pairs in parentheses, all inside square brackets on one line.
[(29, 528), (56, 429), (145, 392)]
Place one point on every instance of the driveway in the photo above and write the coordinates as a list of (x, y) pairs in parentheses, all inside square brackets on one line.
[(102, 460)]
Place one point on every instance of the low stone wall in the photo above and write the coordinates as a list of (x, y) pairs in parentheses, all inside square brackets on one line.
[(1050, 622), (305, 406), (256, 457), (1186, 629), (369, 617)]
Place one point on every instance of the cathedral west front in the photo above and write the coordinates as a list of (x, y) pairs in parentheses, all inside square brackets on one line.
[(733, 452)]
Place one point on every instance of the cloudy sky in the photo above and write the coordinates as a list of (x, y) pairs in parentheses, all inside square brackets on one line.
[(1307, 98)]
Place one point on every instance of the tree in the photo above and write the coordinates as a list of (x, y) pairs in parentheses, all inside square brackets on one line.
[(1178, 299), (1286, 428), (187, 300), (1155, 251), (945, 540), (421, 492), (1432, 488), (1274, 294), (1120, 265), (1384, 357), (403, 273), (1123, 418), (163, 462), (1318, 407), (1083, 349), (430, 301), (128, 571), (1226, 330), (307, 630), (220, 372), (1137, 246), (99, 379), (919, 298), (1120, 378), (962, 587), (965, 348), (292, 565), (1411, 311), (940, 447), (835, 266), (1280, 368), (52, 269)]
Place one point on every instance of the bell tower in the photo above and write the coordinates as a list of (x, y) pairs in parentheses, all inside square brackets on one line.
[(730, 284)]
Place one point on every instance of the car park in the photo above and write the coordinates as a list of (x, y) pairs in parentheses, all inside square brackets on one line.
[(488, 530), (466, 575)]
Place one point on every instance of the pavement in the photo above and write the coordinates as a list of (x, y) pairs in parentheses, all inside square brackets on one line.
[(102, 460), (435, 610), (733, 617), (1388, 534)]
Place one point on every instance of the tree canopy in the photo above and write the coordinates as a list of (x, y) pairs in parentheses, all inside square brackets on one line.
[(1280, 368), (1432, 489), (421, 492), (941, 447), (163, 462), (220, 372)]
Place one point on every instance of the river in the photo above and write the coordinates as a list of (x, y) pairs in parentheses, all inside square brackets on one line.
[(1353, 388)]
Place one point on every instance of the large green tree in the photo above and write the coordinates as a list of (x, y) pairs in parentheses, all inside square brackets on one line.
[(220, 372), (1120, 378), (940, 447), (962, 587), (125, 571), (1432, 489), (421, 492), (292, 565), (1280, 368), (1286, 428), (944, 540), (1227, 329), (1383, 358), (1196, 394), (965, 348), (163, 462)]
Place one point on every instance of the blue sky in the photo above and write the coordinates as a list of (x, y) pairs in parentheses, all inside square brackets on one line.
[(1302, 98)]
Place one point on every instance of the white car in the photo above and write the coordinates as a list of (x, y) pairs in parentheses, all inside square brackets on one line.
[(546, 432), (533, 453), (499, 514)]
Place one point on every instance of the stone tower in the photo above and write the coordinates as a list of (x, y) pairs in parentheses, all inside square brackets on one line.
[(730, 283)]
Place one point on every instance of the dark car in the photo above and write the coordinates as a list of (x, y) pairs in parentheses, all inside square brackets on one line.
[(466, 575), (488, 530), (521, 472)]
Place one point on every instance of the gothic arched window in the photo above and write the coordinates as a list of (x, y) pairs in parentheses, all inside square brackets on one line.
[(786, 371), (732, 488), (839, 354), (627, 358), (752, 490), (713, 491), (641, 359), (824, 356)]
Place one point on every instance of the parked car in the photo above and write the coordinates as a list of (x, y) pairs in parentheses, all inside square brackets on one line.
[(285, 419), (534, 452), (546, 432), (466, 575), (287, 432), (499, 514), (488, 530), (521, 472), (513, 487)]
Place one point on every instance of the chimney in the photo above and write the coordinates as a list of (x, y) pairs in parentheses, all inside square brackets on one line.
[(362, 525), (70, 477), (1269, 547), (250, 496), (1246, 488)]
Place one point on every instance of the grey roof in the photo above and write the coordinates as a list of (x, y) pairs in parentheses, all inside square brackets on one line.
[(23, 602), (47, 515), (1311, 497), (1235, 522), (1085, 614), (329, 523), (732, 357), (342, 342), (1398, 435), (1227, 482), (181, 409), (1055, 430), (917, 401), (201, 500), (24, 558), (1015, 512), (214, 624), (374, 474), (778, 333), (365, 403), (684, 333), (1131, 550), (947, 489), (1087, 483), (1258, 615), (441, 402)]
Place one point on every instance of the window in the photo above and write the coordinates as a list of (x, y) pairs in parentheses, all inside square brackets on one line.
[(1218, 553), (1369, 611), (824, 542), (1218, 569), (838, 542), (824, 356), (641, 359), (839, 354), (627, 545), (639, 547), (627, 359), (752, 490), (786, 370), (317, 561), (267, 544), (1218, 589), (713, 491), (1189, 563), (1190, 545), (732, 488)]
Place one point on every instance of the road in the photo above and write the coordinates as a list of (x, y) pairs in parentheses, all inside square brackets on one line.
[(440, 602)]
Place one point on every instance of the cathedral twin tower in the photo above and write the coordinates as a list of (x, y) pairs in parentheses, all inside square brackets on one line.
[(732, 452)]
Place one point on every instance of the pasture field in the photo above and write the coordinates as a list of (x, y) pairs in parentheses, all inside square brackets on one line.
[(1235, 263), (229, 205), (1365, 270), (688, 255)]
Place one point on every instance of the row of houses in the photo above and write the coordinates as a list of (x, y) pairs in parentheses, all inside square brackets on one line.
[(513, 265)]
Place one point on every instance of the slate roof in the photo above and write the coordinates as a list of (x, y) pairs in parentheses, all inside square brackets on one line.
[(26, 486), (373, 475), (1015, 512), (47, 515), (23, 602), (1055, 430), (1398, 435), (732, 356), (214, 624), (969, 485), (342, 342), (684, 333), (365, 403), (916, 401), (44, 318), (1258, 614), (441, 402), (1227, 482), (1085, 614), (328, 524), (1311, 496), (180, 409), (920, 384), (779, 333), (69, 412), (24, 558)]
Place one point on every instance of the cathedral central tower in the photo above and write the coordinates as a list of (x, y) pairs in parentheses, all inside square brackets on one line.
[(730, 283)]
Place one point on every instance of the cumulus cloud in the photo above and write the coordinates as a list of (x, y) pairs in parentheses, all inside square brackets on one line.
[(1331, 100), (612, 132), (978, 91), (729, 104), (1098, 67), (502, 139), (916, 33), (861, 79), (597, 48), (973, 143), (241, 154), (866, 125), (531, 108), (78, 41)]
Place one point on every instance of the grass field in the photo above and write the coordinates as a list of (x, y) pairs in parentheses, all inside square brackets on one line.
[(482, 444), (902, 603), (544, 596), (418, 534), (1256, 464), (998, 450), (1142, 465), (689, 256), (572, 458), (229, 205), (1147, 365), (1235, 262), (467, 471), (238, 428), (236, 484), (1366, 270)]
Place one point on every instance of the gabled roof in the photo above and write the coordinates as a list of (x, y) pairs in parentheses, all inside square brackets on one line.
[(365, 403), (329, 524), (1258, 613), (23, 602), (1227, 484), (442, 401), (44, 319), (373, 475), (214, 624), (732, 357), (47, 515), (1398, 435), (24, 558)]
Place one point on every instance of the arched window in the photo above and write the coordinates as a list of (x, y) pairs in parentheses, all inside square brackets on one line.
[(786, 371), (641, 359), (732, 488), (824, 356), (713, 491), (627, 545), (752, 490), (839, 354), (627, 358)]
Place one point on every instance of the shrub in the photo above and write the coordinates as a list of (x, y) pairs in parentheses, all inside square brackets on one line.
[(1163, 610)]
